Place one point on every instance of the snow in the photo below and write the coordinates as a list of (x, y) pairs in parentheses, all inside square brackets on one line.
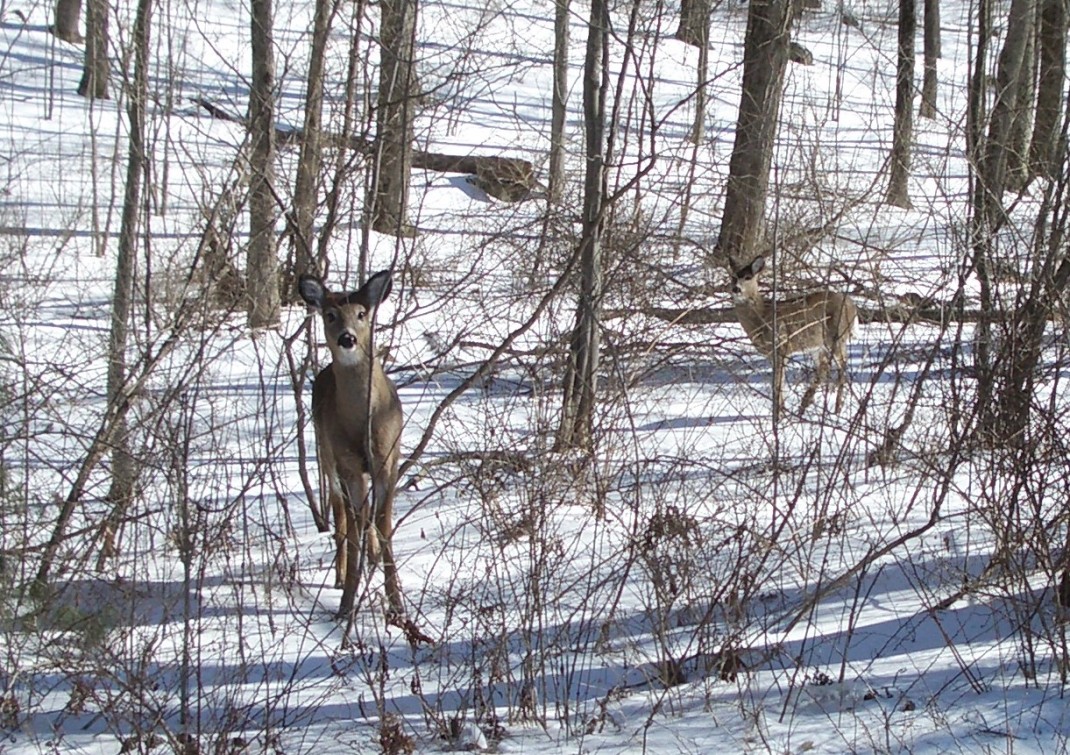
[(707, 582)]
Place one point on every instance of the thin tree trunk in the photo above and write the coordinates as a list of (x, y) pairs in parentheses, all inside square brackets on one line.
[(310, 160), (903, 134), (95, 72), (124, 471), (398, 91), (765, 56), (559, 103), (932, 54), (262, 260), (581, 376)]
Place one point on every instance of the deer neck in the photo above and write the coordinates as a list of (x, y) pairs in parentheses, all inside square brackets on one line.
[(756, 317), (352, 394)]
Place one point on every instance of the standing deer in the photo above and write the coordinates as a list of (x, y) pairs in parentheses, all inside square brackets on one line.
[(820, 322), (357, 415)]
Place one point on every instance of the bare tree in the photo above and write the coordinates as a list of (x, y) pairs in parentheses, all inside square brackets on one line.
[(311, 156), (262, 260), (765, 56), (559, 103), (94, 83), (1051, 41), (581, 375), (903, 132), (931, 45), (398, 93)]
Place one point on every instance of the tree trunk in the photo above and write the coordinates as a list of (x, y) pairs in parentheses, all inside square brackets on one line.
[(932, 54), (1018, 172), (66, 17), (694, 28), (262, 260), (1054, 25), (765, 56), (559, 104), (581, 376), (398, 92), (95, 72), (306, 194), (124, 471), (903, 134)]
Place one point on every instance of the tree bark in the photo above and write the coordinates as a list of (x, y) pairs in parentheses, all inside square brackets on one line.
[(903, 133), (65, 24), (95, 72), (125, 471), (581, 375), (398, 92), (765, 56), (310, 160), (559, 103), (262, 260), (694, 28), (932, 54), (1054, 25)]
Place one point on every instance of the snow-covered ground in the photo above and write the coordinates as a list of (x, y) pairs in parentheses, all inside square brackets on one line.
[(707, 582)]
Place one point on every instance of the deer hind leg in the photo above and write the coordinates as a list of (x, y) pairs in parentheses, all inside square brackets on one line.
[(841, 373), (820, 376)]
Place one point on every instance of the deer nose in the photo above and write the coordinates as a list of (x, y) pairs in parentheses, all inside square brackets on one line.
[(347, 341)]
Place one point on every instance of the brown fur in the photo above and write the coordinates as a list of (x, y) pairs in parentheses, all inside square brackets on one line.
[(820, 322)]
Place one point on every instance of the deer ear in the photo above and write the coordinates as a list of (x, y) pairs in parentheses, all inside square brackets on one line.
[(757, 265), (375, 289), (312, 291)]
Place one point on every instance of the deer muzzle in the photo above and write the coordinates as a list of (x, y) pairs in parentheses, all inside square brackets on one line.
[(346, 341)]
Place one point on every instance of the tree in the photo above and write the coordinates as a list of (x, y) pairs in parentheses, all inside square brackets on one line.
[(765, 56), (94, 83), (581, 374), (932, 54), (559, 103), (903, 132), (398, 93), (65, 25), (262, 262), (1051, 77), (694, 29), (311, 156)]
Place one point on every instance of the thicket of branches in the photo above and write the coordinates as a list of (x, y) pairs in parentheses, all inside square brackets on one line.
[(157, 466)]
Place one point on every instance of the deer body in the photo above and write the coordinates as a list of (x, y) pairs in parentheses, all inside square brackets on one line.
[(358, 419), (820, 323)]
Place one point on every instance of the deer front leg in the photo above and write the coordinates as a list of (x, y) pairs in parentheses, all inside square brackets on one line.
[(356, 528), (778, 386), (384, 527)]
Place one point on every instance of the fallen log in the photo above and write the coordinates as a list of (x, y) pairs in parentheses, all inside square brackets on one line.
[(509, 179)]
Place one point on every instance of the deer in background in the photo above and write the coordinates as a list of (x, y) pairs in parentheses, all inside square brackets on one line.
[(820, 322), (357, 416)]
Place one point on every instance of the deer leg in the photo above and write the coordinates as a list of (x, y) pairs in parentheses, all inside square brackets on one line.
[(338, 511), (820, 376), (356, 517), (778, 386), (384, 525), (841, 375)]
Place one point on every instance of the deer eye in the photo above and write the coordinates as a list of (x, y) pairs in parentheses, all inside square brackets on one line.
[(330, 316), (360, 314)]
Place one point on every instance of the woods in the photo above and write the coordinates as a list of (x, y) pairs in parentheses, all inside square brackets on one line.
[(630, 486)]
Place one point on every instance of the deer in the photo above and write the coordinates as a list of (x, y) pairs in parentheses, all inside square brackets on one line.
[(357, 418), (820, 322)]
